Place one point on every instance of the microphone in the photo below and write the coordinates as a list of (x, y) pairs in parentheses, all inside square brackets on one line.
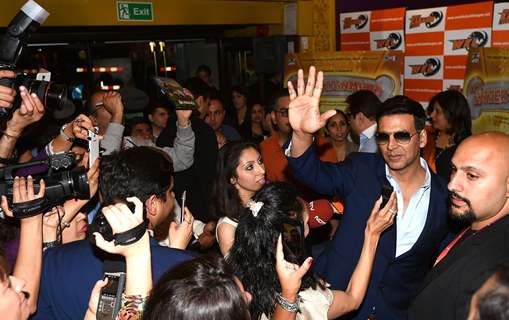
[(320, 212)]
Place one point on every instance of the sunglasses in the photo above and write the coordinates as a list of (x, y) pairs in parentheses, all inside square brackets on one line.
[(401, 137), (283, 112)]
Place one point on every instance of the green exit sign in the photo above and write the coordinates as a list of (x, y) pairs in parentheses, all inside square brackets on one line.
[(134, 11)]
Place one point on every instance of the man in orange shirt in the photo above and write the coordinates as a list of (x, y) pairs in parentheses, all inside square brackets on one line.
[(276, 165), (274, 159)]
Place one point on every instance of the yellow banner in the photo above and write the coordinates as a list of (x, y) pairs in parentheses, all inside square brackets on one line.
[(486, 88), (348, 71)]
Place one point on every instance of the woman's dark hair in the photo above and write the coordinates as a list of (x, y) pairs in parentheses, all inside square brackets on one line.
[(241, 90), (226, 200), (403, 105), (341, 112), (199, 289), (136, 172), (456, 111), (253, 254), (494, 304)]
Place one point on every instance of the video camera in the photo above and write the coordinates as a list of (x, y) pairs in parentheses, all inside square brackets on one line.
[(52, 95), (60, 186)]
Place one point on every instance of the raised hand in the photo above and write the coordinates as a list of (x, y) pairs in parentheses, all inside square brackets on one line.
[(180, 234), (381, 219), (304, 109), (7, 94), (121, 219), (22, 191), (183, 117), (80, 126), (30, 111), (290, 275)]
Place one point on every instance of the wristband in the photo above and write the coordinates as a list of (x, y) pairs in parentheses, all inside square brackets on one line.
[(64, 135), (287, 305)]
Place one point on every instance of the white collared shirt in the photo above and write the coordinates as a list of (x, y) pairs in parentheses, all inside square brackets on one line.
[(367, 143), (409, 224)]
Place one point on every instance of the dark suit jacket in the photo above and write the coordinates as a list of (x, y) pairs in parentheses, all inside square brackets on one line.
[(448, 288), (358, 181), (70, 272)]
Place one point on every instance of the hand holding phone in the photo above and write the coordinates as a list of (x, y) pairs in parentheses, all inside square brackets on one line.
[(387, 190), (93, 146), (182, 206), (110, 299)]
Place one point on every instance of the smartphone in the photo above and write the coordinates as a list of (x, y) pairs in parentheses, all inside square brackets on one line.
[(292, 234), (387, 190), (182, 206), (110, 299), (93, 146)]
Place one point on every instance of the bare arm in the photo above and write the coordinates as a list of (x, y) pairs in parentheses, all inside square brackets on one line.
[(75, 129), (350, 299), (30, 111), (137, 254), (225, 237), (29, 259), (290, 278)]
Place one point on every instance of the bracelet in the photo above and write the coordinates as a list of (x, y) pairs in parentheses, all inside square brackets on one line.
[(287, 305), (50, 244), (64, 135), (10, 135), (132, 306)]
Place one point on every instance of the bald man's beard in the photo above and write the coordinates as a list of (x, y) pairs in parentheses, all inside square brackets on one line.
[(466, 217)]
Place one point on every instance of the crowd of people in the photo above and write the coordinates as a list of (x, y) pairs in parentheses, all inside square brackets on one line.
[(210, 213)]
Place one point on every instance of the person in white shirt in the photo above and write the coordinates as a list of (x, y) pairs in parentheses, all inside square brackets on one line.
[(362, 108)]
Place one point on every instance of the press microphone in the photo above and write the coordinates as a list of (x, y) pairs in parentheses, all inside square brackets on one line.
[(320, 212)]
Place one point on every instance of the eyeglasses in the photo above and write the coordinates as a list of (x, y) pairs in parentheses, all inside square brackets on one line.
[(283, 112), (401, 137)]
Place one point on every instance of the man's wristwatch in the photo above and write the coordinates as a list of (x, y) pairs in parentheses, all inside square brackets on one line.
[(64, 135), (287, 305)]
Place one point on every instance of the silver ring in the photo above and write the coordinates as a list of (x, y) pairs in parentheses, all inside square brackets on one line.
[(65, 224)]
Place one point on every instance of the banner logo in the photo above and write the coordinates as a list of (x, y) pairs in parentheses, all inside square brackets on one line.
[(504, 17), (430, 21), (358, 23), (392, 42), (476, 39), (428, 68)]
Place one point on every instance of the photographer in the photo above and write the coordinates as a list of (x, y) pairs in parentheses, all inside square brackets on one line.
[(30, 111), (142, 172), (68, 223)]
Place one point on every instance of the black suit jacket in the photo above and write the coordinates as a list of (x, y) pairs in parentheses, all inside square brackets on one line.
[(198, 179), (448, 288)]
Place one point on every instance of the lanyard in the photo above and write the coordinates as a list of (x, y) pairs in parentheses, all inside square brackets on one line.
[(449, 247)]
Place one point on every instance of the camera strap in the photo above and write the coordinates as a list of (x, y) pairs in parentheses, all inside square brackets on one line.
[(132, 235), (30, 208)]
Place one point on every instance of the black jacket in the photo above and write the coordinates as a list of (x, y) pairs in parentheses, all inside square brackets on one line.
[(198, 179), (448, 288)]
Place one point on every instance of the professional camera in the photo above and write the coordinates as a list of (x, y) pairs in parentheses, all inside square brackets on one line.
[(52, 95), (61, 184)]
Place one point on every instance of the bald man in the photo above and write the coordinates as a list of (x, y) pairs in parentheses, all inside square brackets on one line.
[(479, 192)]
